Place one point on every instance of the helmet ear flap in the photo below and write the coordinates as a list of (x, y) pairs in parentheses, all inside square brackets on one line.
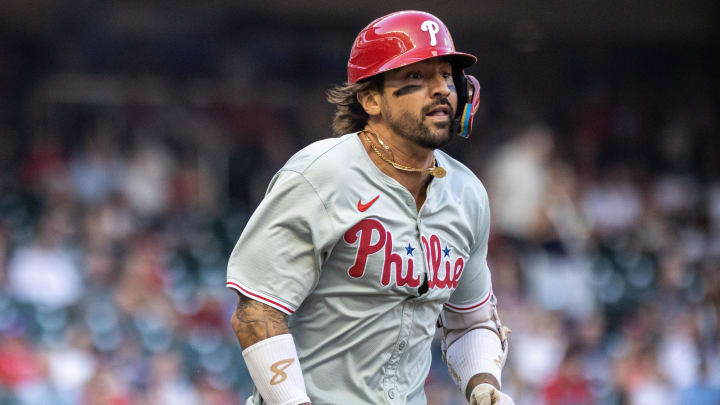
[(461, 86), (468, 89)]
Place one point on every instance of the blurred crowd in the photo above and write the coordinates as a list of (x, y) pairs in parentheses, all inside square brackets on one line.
[(123, 187)]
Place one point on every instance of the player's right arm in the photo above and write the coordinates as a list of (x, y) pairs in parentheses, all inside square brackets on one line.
[(269, 352), (274, 266), (254, 321)]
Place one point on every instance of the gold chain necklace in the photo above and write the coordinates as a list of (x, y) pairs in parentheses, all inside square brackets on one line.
[(435, 171)]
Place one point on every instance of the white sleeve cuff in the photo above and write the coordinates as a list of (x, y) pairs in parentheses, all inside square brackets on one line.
[(477, 351), (275, 369)]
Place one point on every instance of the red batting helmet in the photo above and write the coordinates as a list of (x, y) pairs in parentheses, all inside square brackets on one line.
[(405, 37), (399, 39)]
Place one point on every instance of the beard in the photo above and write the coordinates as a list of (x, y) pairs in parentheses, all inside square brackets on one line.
[(416, 130)]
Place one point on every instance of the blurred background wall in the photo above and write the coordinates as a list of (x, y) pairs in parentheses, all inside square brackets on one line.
[(136, 137)]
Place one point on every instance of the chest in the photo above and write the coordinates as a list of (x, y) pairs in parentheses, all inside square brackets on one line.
[(386, 247)]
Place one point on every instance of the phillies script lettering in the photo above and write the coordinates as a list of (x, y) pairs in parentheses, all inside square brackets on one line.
[(442, 273)]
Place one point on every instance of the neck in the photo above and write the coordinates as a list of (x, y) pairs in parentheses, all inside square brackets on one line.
[(403, 152)]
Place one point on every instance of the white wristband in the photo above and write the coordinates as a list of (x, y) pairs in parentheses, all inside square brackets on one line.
[(477, 351), (275, 369)]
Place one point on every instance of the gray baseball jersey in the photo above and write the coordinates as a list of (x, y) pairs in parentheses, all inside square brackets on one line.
[(341, 247)]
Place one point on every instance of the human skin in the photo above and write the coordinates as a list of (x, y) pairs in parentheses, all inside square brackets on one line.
[(253, 321), (412, 115)]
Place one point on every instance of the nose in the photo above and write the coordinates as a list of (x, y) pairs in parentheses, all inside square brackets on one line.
[(439, 86)]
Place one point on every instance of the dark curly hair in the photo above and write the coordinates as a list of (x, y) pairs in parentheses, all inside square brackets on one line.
[(350, 115)]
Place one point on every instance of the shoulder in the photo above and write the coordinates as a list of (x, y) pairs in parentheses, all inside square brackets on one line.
[(460, 178), (466, 193), (329, 165), (322, 155)]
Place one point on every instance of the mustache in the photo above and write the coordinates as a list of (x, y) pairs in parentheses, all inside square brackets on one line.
[(444, 101)]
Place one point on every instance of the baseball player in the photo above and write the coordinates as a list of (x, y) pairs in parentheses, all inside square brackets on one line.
[(367, 242)]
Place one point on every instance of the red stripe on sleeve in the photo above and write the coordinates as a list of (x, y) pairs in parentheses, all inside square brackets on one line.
[(463, 309), (260, 297)]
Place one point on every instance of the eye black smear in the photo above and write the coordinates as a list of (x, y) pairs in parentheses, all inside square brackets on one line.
[(406, 90)]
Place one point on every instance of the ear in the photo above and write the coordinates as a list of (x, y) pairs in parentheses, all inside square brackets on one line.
[(370, 101)]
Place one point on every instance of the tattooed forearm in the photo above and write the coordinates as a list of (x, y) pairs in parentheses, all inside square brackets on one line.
[(254, 321)]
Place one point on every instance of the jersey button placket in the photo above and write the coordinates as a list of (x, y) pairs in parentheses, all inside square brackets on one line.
[(391, 368)]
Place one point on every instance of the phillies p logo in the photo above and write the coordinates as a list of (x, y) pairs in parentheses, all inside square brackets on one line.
[(431, 28)]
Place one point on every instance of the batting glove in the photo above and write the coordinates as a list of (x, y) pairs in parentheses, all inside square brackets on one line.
[(486, 394)]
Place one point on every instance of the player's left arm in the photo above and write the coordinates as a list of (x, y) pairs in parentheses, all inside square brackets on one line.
[(474, 341), (475, 347)]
